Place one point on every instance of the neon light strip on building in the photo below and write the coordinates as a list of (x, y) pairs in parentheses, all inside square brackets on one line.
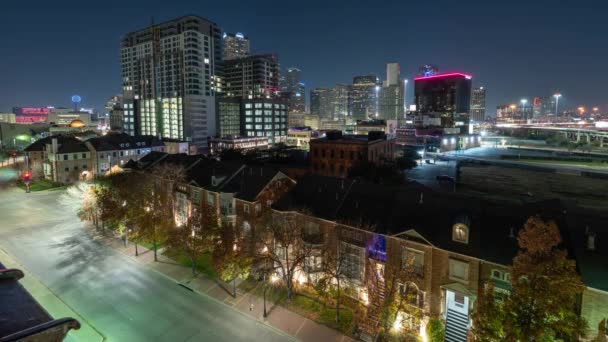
[(442, 76)]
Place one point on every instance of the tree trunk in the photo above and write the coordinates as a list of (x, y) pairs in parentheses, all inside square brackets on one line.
[(338, 303), (136, 252), (234, 287), (154, 246)]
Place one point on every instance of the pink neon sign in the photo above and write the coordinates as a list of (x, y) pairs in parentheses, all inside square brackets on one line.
[(443, 75)]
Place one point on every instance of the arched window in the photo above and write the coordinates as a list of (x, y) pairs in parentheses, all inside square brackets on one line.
[(412, 295), (460, 233)]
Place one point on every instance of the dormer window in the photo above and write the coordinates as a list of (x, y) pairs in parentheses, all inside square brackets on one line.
[(460, 233)]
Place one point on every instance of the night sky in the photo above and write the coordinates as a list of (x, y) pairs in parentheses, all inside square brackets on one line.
[(50, 50)]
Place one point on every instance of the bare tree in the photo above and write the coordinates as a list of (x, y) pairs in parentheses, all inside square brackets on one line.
[(334, 268), (280, 238)]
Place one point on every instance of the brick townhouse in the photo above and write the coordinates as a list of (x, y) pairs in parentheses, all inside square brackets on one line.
[(457, 244)]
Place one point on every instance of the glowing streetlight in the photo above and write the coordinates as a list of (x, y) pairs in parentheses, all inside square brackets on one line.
[(581, 110), (557, 96)]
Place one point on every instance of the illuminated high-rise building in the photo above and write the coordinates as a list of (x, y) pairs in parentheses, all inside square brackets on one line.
[(391, 95), (365, 92), (478, 104), (169, 79), (236, 45), (255, 76), (447, 96), (321, 102), (342, 101), (294, 89)]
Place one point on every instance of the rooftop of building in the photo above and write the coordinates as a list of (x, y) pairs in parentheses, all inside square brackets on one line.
[(123, 141), (338, 137), (414, 212)]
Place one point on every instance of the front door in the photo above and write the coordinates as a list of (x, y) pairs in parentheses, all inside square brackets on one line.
[(457, 302)]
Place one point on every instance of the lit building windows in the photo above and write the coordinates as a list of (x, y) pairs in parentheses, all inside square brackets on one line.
[(460, 233)]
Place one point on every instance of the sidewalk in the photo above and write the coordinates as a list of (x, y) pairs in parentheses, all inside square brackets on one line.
[(278, 317)]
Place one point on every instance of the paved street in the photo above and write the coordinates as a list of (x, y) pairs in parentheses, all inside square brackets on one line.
[(116, 296)]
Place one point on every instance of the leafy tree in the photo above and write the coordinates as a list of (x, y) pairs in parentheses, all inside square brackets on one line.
[(488, 317), (545, 287), (282, 248), (601, 332), (435, 330), (189, 240), (229, 259), (154, 194)]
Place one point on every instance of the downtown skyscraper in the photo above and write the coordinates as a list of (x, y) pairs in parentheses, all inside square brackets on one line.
[(365, 92), (236, 45), (478, 104), (294, 90), (169, 79), (391, 94)]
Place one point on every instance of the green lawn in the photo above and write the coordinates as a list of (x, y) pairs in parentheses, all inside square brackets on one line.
[(308, 306), (203, 264), (41, 185)]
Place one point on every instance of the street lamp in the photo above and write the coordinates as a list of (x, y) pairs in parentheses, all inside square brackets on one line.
[(264, 251), (557, 96), (581, 110)]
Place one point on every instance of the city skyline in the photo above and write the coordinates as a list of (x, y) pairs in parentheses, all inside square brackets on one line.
[(526, 71)]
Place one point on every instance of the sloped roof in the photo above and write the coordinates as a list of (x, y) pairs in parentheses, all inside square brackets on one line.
[(418, 213), (123, 141), (65, 144), (250, 181)]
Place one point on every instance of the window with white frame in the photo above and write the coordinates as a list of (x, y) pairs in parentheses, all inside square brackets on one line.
[(258, 208), (500, 275), (415, 259), (211, 198), (411, 294), (314, 263), (196, 197), (353, 258), (246, 208), (280, 251), (182, 208), (459, 270)]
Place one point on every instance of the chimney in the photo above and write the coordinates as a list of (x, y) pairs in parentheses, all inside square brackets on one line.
[(512, 233), (261, 171), (421, 201), (591, 242), (54, 147)]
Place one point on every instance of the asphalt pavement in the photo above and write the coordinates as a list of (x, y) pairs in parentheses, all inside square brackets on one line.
[(117, 297)]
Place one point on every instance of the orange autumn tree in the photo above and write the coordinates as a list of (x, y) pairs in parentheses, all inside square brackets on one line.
[(545, 288)]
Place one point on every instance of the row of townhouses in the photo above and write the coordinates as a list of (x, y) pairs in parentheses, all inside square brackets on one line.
[(457, 244), (65, 158)]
